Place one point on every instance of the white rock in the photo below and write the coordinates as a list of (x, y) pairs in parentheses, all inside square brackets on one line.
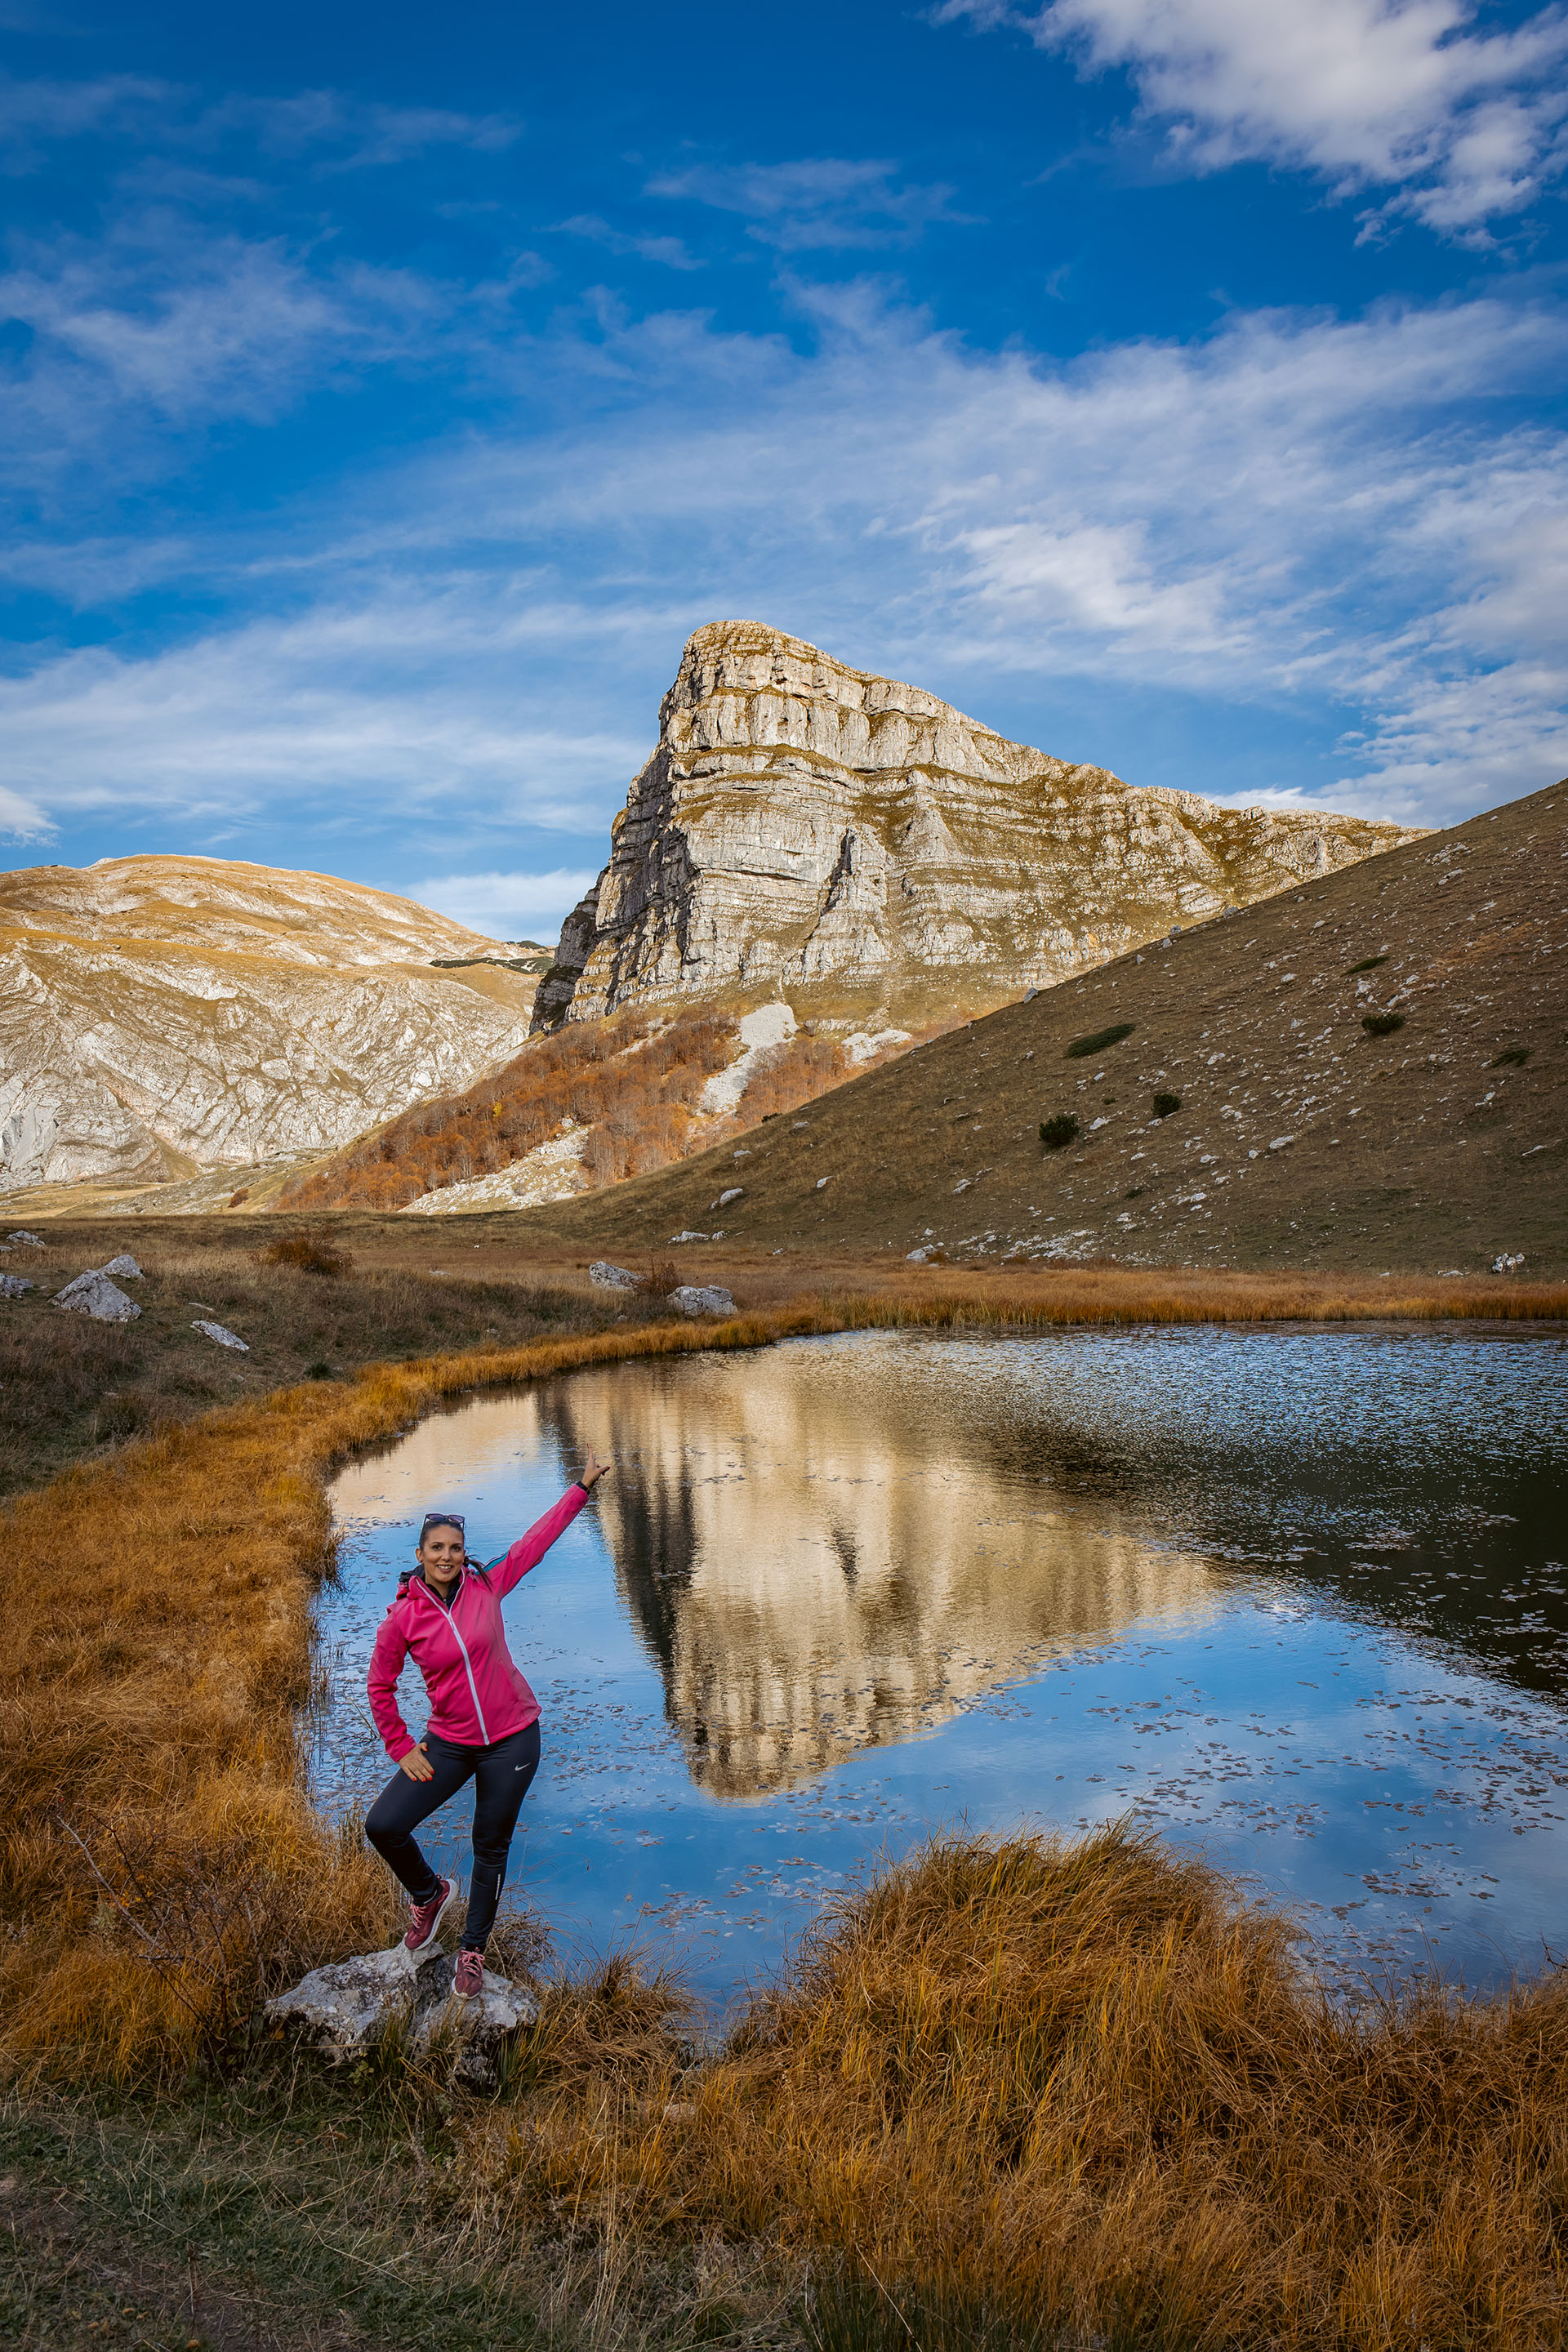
[(676, 1238), (30, 1238), (551, 1172), (702, 1298), (1506, 1263), (125, 1267), (341, 2008), (820, 1183), (606, 1277), (11, 1286), (1279, 1142), (735, 1192), (93, 1293), (799, 820), (225, 1338), (864, 1046), (761, 1032)]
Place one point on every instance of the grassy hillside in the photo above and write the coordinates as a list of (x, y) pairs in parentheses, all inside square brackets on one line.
[(1369, 1075)]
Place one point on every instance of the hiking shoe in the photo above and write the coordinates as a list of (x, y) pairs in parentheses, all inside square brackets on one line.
[(426, 1917), (469, 1976)]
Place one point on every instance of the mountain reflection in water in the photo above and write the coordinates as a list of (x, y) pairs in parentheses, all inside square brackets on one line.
[(1295, 1599), (817, 1570)]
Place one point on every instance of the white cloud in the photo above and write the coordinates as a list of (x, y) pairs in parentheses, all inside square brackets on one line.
[(1339, 519), (818, 201), (669, 251), (1465, 125), (405, 708), (507, 906)]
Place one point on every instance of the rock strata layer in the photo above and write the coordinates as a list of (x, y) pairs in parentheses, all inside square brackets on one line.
[(163, 1016), (802, 822)]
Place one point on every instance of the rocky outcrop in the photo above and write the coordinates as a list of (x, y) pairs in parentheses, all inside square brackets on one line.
[(163, 1016), (344, 2009), (802, 822)]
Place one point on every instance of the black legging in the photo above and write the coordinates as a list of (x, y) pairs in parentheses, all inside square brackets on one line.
[(501, 1775)]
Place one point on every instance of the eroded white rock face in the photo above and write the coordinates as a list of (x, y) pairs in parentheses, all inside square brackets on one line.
[(761, 1032), (163, 1015), (803, 821), (548, 1172)]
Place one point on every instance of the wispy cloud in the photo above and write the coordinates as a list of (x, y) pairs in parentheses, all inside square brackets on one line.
[(1336, 518), (819, 203), (669, 251), (507, 906), (1463, 125)]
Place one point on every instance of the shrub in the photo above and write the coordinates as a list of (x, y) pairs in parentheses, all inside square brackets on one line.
[(1382, 1024), (307, 1252), (1056, 1133), (1165, 1104), (1101, 1038), (1368, 963), (663, 1276), (1511, 1057)]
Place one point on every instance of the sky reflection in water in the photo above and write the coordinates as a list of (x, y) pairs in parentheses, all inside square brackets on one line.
[(1296, 1598)]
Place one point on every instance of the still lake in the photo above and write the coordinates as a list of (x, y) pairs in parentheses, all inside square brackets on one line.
[(1295, 1598)]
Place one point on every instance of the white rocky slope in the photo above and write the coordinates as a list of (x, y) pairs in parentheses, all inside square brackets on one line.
[(161, 1015), (806, 823)]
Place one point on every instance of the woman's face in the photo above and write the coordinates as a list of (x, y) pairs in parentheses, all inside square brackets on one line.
[(441, 1554)]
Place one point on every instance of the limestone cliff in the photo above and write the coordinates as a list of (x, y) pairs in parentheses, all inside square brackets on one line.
[(161, 1015), (806, 823)]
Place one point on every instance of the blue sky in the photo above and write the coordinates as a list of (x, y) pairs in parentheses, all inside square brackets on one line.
[(1175, 385)]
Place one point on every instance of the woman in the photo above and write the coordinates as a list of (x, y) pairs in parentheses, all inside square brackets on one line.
[(484, 1719)]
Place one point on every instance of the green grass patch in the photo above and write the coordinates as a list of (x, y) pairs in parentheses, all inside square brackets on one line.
[(1100, 1039)]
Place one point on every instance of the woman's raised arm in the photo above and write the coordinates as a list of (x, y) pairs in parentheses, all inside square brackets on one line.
[(529, 1549)]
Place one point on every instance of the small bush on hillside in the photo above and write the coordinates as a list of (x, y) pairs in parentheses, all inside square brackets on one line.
[(1165, 1104), (663, 1276), (1056, 1133), (307, 1252), (1100, 1039), (1511, 1057), (1382, 1024), (1368, 963)]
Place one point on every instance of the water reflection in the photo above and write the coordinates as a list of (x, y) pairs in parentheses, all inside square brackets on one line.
[(1295, 1598), (816, 1568)]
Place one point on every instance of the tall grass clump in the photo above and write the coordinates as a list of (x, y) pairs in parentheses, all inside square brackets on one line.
[(1084, 2094)]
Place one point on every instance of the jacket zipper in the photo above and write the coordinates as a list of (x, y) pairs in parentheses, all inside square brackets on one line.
[(468, 1665)]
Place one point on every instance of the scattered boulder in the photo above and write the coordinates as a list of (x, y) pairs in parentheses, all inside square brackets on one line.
[(606, 1277), (1507, 1263), (218, 1331), (702, 1298), (1280, 1142), (11, 1286), (343, 2009), (32, 1240), (735, 1192), (125, 1267), (93, 1293), (689, 1237)]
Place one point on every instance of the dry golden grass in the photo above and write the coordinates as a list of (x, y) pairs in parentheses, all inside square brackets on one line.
[(1084, 2087), (162, 1864), (1082, 2091)]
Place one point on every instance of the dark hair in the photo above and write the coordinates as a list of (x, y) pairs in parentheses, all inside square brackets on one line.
[(442, 1519)]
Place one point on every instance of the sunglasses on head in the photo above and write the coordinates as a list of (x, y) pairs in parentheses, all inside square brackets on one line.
[(442, 1519)]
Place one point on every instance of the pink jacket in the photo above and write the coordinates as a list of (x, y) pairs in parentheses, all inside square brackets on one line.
[(477, 1694)]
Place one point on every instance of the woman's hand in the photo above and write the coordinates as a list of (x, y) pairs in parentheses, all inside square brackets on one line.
[(593, 1470), (417, 1765)]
